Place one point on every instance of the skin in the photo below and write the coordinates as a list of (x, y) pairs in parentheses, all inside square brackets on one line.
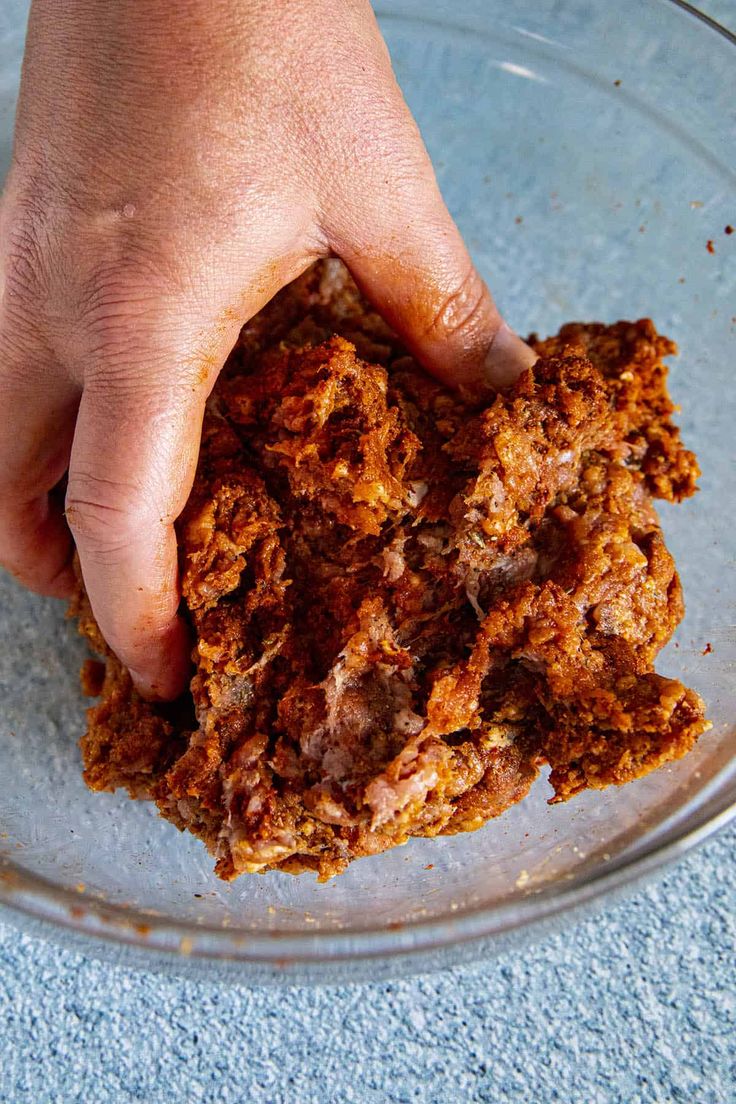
[(174, 167)]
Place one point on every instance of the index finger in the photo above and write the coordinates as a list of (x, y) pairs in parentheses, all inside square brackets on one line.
[(131, 468)]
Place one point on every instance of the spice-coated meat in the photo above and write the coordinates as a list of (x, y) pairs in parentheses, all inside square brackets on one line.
[(403, 604)]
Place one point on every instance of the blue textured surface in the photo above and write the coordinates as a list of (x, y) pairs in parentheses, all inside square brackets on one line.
[(635, 1005)]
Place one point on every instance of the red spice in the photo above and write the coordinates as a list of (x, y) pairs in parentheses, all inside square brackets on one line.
[(728, 229), (710, 246), (336, 559), (707, 649)]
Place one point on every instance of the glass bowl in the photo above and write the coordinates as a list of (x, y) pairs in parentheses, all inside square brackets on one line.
[(586, 150)]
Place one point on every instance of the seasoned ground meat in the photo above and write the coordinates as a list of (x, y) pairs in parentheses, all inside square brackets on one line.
[(404, 603)]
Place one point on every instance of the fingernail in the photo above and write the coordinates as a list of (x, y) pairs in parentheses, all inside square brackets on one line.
[(507, 358), (145, 687)]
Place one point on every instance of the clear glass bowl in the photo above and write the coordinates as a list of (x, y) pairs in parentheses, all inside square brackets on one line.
[(586, 150)]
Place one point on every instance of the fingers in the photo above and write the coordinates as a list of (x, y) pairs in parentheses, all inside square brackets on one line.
[(36, 546), (434, 298), (38, 410), (132, 465), (407, 255), (131, 470)]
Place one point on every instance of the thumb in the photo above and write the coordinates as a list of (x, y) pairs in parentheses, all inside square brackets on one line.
[(432, 295), (407, 256)]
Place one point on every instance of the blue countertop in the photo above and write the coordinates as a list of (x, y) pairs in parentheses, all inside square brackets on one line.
[(635, 1004)]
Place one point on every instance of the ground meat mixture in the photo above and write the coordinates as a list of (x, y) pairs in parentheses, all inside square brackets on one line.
[(405, 604)]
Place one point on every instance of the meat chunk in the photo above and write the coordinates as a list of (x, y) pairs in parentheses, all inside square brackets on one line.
[(403, 606)]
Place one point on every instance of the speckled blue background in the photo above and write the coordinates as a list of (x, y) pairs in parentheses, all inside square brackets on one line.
[(634, 1005)]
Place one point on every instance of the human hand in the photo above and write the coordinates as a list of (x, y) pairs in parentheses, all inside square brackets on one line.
[(174, 167)]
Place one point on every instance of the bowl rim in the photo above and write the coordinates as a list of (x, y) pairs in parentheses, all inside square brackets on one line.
[(58, 910), (61, 909)]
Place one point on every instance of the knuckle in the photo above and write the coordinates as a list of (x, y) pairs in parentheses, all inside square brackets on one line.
[(462, 310), (25, 262), (104, 516), (131, 321), (120, 291), (125, 277), (88, 281)]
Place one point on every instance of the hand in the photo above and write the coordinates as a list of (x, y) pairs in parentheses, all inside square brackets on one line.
[(175, 165)]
